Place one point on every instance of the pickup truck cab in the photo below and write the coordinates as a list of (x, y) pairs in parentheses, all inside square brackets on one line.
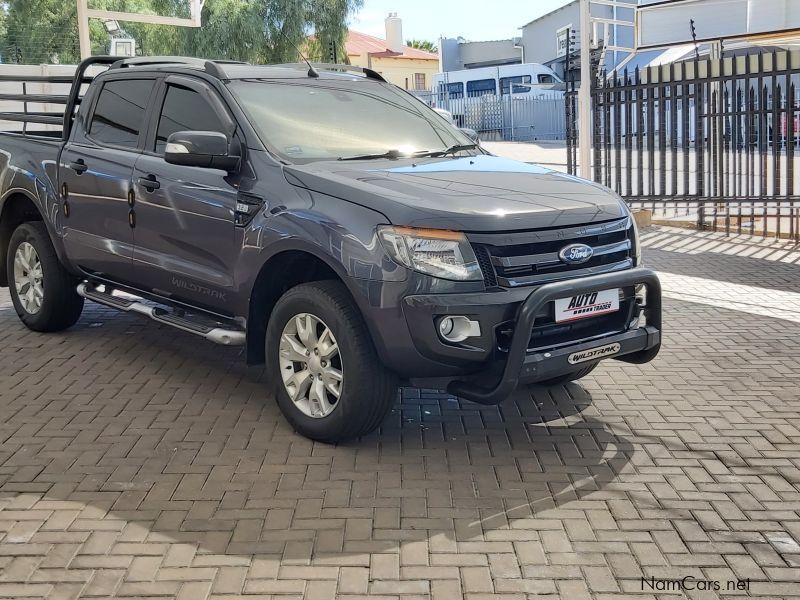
[(327, 221)]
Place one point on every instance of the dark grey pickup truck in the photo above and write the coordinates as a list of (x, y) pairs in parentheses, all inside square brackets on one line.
[(328, 222)]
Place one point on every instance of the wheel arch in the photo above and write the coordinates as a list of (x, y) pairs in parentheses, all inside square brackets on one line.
[(282, 271), (16, 208)]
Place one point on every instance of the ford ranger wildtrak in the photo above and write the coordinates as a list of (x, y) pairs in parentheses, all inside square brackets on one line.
[(338, 229)]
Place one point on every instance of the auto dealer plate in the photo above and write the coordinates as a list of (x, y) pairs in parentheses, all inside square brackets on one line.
[(590, 304)]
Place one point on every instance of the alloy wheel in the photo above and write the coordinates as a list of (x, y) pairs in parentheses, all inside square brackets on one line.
[(311, 365), (28, 278)]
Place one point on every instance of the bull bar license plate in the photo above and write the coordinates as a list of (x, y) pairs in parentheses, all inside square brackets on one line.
[(583, 306)]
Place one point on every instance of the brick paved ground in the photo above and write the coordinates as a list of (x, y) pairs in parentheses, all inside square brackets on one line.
[(137, 461)]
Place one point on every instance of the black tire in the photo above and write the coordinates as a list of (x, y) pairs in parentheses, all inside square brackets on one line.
[(61, 305), (368, 389), (568, 377)]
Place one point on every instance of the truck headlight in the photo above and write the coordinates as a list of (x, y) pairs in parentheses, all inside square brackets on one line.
[(436, 252)]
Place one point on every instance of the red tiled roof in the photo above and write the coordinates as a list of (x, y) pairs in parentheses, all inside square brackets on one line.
[(361, 43)]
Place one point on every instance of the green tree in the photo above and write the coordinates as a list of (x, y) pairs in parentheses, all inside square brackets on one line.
[(259, 31), (426, 45)]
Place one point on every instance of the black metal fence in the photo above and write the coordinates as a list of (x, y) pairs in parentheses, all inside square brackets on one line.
[(714, 142)]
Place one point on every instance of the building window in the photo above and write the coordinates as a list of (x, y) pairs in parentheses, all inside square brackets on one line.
[(481, 87), (514, 85), (419, 81)]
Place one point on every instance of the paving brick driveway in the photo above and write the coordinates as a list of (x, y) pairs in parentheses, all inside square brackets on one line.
[(137, 461)]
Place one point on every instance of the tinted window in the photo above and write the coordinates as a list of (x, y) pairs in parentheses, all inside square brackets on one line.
[(184, 110), (119, 114), (547, 79), (481, 87), (506, 84), (454, 90)]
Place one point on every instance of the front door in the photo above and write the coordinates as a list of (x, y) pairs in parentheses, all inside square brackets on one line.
[(185, 232), (96, 171)]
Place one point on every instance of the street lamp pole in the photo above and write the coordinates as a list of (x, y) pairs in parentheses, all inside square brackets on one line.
[(585, 93)]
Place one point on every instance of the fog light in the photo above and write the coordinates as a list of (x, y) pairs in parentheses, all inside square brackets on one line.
[(458, 328)]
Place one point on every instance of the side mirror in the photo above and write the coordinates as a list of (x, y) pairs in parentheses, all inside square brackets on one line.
[(471, 134), (207, 149)]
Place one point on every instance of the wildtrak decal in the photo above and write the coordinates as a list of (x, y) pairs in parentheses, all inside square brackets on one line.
[(198, 289)]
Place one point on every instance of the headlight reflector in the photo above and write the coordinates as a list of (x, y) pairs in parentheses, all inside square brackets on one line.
[(436, 252)]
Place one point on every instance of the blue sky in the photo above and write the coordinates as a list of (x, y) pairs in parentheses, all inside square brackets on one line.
[(471, 19)]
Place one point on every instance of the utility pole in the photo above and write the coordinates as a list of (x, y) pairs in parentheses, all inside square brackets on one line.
[(585, 94)]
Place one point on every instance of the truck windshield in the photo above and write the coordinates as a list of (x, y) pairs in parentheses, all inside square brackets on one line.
[(330, 120)]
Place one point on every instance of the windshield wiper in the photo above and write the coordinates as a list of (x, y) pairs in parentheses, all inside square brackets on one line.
[(451, 150), (418, 154), (388, 154)]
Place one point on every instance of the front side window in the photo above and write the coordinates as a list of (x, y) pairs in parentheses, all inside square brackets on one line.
[(327, 120), (515, 85), (184, 110), (119, 114), (547, 79), (481, 87)]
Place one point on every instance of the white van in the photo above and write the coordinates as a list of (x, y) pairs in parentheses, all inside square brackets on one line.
[(525, 80)]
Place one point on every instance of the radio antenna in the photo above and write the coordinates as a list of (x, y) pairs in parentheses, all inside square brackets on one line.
[(312, 72)]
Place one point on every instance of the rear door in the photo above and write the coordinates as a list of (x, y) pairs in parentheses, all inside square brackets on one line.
[(186, 244), (96, 169)]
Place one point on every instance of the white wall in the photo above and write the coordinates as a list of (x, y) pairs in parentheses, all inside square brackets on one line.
[(16, 87)]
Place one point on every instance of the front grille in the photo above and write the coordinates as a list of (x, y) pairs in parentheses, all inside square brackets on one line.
[(548, 335), (531, 257)]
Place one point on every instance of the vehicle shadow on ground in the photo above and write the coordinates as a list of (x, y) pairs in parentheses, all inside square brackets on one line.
[(133, 422), (749, 262)]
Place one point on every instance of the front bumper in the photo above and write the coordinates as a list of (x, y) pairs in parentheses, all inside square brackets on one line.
[(522, 365)]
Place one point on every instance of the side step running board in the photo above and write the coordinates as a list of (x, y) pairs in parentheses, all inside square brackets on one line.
[(218, 335)]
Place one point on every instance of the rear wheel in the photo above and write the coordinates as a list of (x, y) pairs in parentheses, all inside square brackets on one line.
[(43, 292), (567, 377), (329, 382)]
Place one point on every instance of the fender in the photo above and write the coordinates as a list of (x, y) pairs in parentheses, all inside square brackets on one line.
[(47, 208)]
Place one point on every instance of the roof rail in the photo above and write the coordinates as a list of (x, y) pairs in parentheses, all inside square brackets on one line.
[(368, 73), (212, 67)]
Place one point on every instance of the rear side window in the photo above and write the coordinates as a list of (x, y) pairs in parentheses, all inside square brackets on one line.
[(481, 87), (184, 110), (453, 90), (119, 114)]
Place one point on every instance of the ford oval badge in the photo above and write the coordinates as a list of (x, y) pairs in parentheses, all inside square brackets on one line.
[(575, 254)]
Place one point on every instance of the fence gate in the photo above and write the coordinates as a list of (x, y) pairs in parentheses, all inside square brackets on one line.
[(712, 141)]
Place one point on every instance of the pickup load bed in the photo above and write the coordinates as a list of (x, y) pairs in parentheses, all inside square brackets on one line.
[(341, 231)]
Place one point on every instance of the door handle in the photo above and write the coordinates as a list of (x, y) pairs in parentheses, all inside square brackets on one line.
[(149, 183), (78, 166)]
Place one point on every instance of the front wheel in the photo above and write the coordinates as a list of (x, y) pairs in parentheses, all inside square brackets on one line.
[(43, 292), (329, 382)]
